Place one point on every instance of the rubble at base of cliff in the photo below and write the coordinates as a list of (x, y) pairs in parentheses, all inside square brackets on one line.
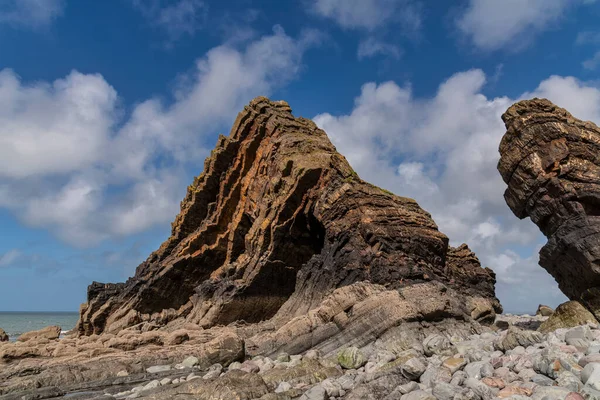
[(511, 359)]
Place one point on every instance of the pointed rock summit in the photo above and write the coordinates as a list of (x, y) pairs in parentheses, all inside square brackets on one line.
[(550, 161), (279, 224)]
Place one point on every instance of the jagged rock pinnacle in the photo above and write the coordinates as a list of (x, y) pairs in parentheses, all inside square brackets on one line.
[(276, 222)]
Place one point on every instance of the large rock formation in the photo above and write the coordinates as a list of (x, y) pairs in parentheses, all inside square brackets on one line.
[(276, 222), (551, 163), (281, 241)]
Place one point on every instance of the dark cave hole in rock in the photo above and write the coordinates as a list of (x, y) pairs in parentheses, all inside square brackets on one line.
[(276, 280), (305, 237)]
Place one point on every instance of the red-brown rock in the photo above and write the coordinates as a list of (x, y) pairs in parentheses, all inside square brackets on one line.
[(276, 222)]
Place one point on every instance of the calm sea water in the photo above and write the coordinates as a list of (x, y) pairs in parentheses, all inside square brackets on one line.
[(15, 323)]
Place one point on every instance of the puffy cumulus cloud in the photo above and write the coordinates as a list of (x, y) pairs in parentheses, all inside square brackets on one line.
[(223, 81), (369, 14), (492, 24), (568, 92), (69, 117), (443, 152), (179, 18), (33, 14), (73, 162)]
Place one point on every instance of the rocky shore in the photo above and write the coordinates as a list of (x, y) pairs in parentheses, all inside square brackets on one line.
[(511, 359), (564, 364), (286, 276)]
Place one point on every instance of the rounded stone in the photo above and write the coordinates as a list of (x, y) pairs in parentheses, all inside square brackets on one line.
[(190, 361), (351, 358), (438, 344), (283, 387), (544, 311)]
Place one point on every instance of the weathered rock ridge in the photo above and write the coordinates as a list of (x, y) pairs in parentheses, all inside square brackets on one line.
[(551, 164), (277, 221)]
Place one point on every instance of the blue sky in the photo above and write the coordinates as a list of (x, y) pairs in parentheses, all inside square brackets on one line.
[(108, 109)]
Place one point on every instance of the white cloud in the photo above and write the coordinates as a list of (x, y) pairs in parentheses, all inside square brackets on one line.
[(443, 152), (492, 24), (372, 47), (33, 14), (53, 128), (516, 275), (69, 163), (9, 257), (370, 14), (568, 92), (179, 18), (593, 62)]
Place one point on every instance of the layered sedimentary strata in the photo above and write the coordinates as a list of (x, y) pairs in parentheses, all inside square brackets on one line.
[(281, 241), (551, 164), (276, 222)]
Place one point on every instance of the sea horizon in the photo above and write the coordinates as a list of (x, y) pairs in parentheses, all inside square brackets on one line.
[(15, 323), (39, 312)]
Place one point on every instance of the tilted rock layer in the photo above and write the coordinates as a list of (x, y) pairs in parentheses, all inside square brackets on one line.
[(551, 163), (276, 222)]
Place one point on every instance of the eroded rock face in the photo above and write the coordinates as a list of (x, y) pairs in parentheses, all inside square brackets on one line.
[(276, 222), (550, 162)]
